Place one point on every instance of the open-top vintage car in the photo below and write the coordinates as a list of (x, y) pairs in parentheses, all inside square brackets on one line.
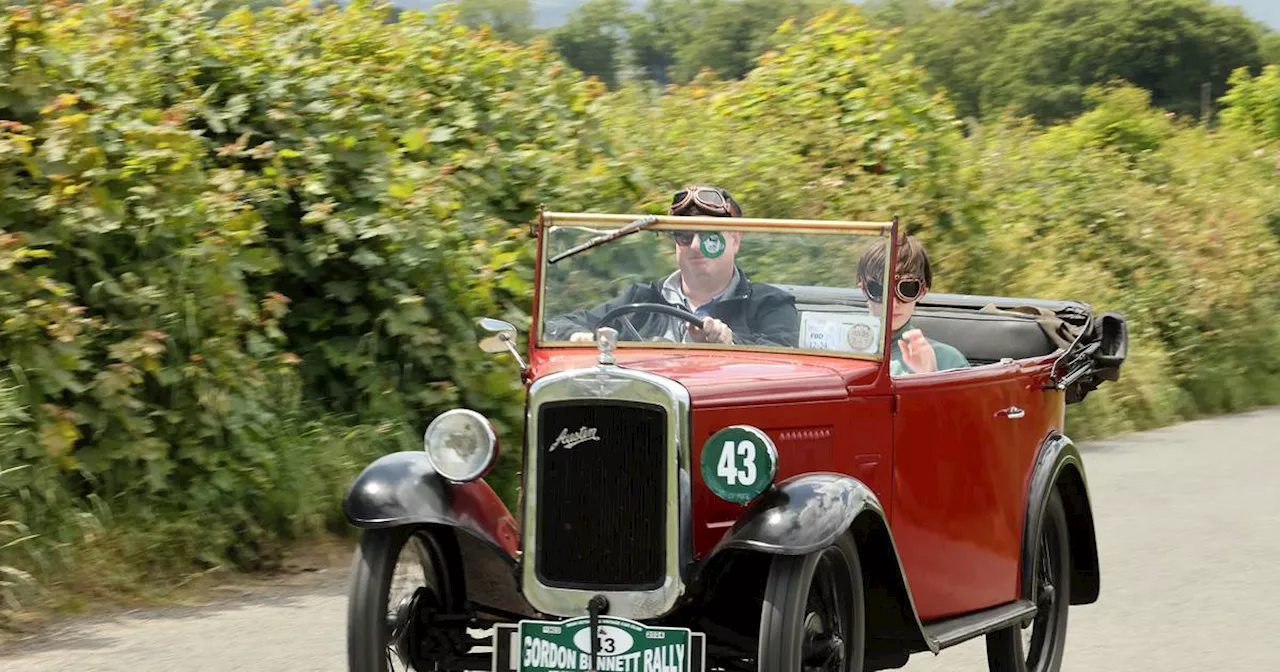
[(791, 499)]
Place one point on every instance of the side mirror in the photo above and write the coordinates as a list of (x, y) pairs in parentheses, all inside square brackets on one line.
[(502, 335), (501, 338)]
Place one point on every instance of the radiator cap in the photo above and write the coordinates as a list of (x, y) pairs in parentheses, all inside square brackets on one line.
[(606, 341)]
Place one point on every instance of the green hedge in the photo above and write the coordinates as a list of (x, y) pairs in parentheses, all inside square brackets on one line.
[(239, 259)]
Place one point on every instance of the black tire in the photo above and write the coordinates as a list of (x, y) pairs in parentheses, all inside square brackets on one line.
[(369, 621), (1006, 651), (796, 628)]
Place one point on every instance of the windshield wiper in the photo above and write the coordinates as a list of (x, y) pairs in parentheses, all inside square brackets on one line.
[(639, 224)]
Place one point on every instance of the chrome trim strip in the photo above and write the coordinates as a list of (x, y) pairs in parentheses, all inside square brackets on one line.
[(611, 383)]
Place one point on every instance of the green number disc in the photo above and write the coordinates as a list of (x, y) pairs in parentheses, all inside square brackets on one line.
[(739, 463)]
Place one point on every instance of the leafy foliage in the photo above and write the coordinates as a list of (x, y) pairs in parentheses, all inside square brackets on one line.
[(1040, 58), (1253, 103), (511, 19), (1159, 235), (239, 259), (1168, 47), (674, 40), (591, 39)]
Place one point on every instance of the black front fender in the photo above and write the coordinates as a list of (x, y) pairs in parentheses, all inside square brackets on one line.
[(808, 512), (801, 515), (396, 489), (403, 489)]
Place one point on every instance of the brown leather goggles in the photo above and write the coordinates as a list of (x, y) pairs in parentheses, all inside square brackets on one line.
[(710, 200)]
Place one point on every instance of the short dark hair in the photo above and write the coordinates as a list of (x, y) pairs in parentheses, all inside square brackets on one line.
[(913, 259)]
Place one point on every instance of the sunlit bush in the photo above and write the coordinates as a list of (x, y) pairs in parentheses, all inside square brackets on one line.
[(239, 260), (1253, 103)]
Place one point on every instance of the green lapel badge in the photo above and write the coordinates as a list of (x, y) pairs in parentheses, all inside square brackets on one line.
[(712, 245)]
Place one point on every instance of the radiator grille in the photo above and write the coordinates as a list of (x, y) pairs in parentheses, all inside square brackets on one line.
[(601, 512)]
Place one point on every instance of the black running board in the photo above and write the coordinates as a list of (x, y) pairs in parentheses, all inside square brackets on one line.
[(960, 629)]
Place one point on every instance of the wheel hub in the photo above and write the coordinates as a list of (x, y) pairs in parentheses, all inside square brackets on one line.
[(410, 620), (820, 646)]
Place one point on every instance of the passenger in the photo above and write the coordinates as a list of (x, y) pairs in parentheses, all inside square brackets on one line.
[(910, 351), (708, 283)]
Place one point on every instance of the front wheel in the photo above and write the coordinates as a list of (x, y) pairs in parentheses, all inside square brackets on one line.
[(1039, 645), (402, 579), (813, 617)]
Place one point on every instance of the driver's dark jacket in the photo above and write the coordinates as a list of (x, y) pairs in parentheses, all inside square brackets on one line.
[(758, 314)]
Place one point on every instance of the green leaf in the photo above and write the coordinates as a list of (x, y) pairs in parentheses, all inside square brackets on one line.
[(401, 190), (414, 140)]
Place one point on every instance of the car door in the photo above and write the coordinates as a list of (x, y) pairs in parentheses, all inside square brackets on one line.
[(959, 471)]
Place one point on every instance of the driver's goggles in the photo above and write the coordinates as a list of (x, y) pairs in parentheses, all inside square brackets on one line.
[(710, 201), (908, 288)]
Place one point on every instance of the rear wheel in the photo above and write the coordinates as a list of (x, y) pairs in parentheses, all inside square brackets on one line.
[(813, 614), (401, 580), (1039, 644)]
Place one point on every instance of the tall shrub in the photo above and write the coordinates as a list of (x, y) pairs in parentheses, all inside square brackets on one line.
[(241, 258)]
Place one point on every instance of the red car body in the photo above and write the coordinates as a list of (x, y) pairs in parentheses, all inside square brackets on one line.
[(952, 473), (959, 466)]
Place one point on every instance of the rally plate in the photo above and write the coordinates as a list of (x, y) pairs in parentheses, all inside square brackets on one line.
[(624, 646)]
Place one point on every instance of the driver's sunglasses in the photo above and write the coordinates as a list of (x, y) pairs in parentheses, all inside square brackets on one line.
[(710, 201), (908, 288), (685, 238)]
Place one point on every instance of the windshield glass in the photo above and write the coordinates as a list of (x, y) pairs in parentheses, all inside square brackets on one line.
[(765, 288)]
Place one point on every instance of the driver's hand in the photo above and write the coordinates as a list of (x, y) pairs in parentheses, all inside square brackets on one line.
[(581, 337), (712, 331)]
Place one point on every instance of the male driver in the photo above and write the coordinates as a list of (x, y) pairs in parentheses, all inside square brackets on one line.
[(911, 352), (708, 284)]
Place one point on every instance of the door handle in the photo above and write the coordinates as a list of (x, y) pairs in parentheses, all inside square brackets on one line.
[(1013, 413)]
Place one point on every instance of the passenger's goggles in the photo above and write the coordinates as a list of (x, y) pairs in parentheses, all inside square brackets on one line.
[(711, 201), (908, 288)]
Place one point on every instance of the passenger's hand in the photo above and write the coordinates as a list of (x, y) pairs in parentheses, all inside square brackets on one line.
[(917, 353), (712, 331), (581, 337)]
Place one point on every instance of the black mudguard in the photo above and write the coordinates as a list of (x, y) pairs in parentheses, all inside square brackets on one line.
[(403, 489), (1059, 465), (801, 515), (806, 513)]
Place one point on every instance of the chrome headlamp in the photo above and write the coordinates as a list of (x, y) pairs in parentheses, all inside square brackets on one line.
[(461, 445)]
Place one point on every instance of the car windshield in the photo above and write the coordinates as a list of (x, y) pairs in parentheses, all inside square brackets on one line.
[(772, 284)]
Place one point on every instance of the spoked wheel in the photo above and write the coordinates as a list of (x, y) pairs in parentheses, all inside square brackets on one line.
[(1039, 645), (813, 614), (401, 579)]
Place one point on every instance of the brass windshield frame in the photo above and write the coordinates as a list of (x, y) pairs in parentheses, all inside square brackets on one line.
[(548, 219)]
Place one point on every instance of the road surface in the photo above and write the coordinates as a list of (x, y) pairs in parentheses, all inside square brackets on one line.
[(1187, 523)]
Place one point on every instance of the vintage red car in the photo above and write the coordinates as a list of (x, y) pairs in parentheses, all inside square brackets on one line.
[(790, 499)]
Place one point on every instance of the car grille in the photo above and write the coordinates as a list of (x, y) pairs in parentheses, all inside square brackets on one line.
[(601, 502)]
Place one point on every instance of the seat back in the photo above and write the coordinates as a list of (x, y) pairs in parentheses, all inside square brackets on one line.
[(983, 337)]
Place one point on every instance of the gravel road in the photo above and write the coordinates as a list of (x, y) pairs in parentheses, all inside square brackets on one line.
[(1187, 524)]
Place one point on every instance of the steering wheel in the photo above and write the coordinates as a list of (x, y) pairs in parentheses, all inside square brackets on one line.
[(622, 311)]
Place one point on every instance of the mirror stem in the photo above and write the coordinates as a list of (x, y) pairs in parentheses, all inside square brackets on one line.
[(511, 347)]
